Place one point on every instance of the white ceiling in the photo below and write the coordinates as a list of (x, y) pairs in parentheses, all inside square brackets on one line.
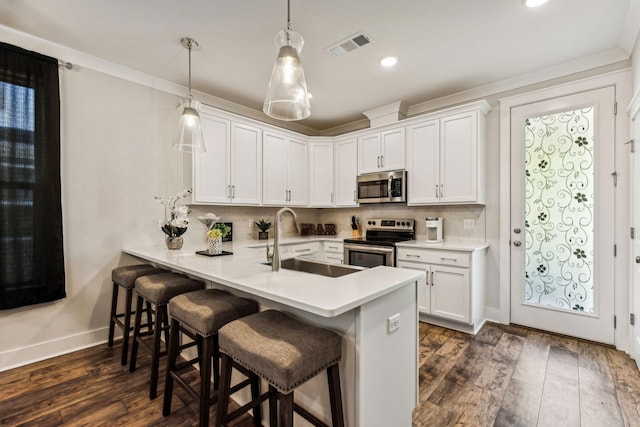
[(444, 46)]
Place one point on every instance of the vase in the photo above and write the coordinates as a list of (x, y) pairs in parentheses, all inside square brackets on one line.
[(214, 246), (263, 235), (174, 242)]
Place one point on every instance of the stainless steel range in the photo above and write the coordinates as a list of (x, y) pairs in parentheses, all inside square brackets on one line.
[(378, 246)]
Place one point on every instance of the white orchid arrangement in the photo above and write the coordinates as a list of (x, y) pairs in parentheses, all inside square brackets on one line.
[(176, 218)]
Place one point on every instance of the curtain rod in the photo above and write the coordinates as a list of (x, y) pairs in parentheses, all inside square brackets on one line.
[(65, 64)]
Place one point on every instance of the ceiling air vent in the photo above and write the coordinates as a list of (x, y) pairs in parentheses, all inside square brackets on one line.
[(349, 44)]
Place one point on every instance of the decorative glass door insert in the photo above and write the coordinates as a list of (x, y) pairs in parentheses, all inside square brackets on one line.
[(562, 213), (559, 210)]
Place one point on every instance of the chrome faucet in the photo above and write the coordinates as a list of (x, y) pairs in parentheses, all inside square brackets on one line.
[(274, 256)]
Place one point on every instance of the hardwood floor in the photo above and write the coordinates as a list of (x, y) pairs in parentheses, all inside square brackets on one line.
[(504, 376), (91, 388), (515, 376)]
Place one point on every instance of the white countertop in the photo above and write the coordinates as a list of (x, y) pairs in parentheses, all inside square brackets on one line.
[(324, 296), (449, 245)]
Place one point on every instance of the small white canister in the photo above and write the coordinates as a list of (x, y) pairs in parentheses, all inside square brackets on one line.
[(435, 230)]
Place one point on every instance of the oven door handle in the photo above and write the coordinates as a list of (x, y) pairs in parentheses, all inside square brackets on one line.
[(368, 248)]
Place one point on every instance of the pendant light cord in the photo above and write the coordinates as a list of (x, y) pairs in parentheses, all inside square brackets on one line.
[(288, 21), (189, 47)]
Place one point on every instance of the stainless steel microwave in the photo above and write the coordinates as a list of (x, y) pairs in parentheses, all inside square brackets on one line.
[(382, 187)]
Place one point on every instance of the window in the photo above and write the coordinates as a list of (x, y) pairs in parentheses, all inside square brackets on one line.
[(31, 250)]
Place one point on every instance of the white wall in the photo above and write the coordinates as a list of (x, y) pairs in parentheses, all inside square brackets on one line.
[(115, 157), (635, 60)]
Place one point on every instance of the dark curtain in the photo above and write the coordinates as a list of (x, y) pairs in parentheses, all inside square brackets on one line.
[(31, 249)]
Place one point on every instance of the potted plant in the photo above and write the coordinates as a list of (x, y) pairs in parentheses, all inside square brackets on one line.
[(264, 227), (214, 238)]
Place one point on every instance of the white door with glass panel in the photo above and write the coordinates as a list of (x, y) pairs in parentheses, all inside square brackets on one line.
[(562, 215)]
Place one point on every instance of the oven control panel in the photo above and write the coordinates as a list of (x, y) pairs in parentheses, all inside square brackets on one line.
[(398, 224)]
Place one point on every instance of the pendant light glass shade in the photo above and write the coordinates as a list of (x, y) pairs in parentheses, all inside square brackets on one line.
[(189, 136), (287, 97)]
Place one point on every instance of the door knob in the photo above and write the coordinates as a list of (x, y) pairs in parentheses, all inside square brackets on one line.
[(516, 230), (517, 243), (638, 260)]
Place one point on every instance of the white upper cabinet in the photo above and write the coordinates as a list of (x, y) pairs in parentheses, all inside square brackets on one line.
[(229, 172), (446, 157), (246, 164), (423, 162), (321, 192), (346, 172), (284, 170), (381, 151)]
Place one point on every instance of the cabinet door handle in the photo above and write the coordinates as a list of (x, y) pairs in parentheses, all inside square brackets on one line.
[(448, 259), (381, 161), (333, 247), (233, 191), (441, 190), (354, 196), (302, 250), (378, 161), (436, 191), (412, 255), (432, 278)]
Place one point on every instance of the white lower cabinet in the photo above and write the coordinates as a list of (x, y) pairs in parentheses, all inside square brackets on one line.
[(453, 292), (333, 252), (309, 250)]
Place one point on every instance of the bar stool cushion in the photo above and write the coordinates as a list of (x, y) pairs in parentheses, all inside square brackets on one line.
[(160, 288), (207, 310), (280, 349), (127, 275)]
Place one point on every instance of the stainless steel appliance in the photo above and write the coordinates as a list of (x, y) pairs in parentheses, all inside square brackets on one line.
[(382, 187), (378, 245)]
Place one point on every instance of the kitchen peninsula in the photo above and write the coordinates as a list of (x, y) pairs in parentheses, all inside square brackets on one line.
[(378, 368)]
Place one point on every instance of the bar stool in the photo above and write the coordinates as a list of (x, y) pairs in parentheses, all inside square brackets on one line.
[(157, 289), (125, 277), (286, 353), (199, 314)]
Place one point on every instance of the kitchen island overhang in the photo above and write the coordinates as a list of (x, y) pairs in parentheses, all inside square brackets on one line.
[(379, 367)]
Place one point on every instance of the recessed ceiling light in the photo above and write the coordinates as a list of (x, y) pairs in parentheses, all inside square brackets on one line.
[(389, 61), (534, 3)]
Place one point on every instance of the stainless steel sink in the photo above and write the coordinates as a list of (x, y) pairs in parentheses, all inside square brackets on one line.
[(318, 267)]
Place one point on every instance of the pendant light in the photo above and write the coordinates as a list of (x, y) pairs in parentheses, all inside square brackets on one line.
[(189, 135), (287, 97)]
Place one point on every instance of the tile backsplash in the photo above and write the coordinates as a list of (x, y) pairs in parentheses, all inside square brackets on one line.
[(244, 229)]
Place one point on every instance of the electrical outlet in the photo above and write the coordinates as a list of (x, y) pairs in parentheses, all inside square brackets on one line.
[(393, 323), (469, 224)]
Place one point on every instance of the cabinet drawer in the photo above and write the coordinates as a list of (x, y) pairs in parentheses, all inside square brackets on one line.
[(434, 256), (301, 249), (336, 248)]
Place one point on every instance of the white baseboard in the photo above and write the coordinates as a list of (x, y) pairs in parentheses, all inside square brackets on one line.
[(45, 350), (450, 324)]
